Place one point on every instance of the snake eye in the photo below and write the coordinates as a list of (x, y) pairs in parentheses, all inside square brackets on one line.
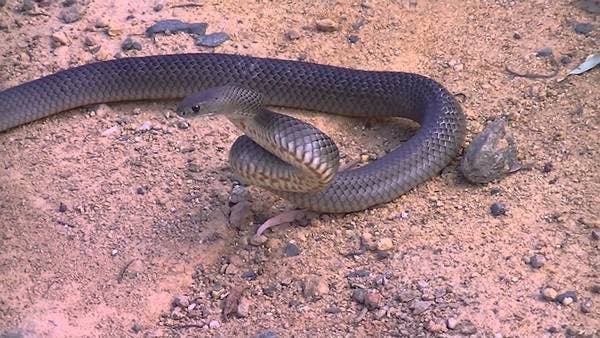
[(196, 109)]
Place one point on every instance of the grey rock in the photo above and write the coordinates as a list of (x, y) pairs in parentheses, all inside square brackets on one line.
[(158, 6), (327, 25), (314, 287), (568, 294), (591, 6), (241, 215), (12, 334), (466, 327), (292, 35), (137, 327), (586, 306), (408, 295), (214, 324), (358, 295), (420, 306), (213, 39), (62, 207), (596, 234), (238, 194), (72, 14), (172, 26), (266, 334), (491, 155), (497, 209), (566, 59), (537, 261), (353, 39), (291, 250), (2, 3), (545, 52), (27, 5), (131, 44), (583, 28), (181, 301)]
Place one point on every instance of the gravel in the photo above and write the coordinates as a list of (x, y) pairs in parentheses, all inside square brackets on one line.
[(326, 25), (497, 209), (173, 26), (537, 261)]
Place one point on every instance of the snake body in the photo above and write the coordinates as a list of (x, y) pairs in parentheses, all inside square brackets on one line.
[(293, 84)]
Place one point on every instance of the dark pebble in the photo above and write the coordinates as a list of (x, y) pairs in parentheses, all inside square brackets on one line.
[(537, 261), (140, 191), (545, 52), (62, 207), (596, 234), (333, 310), (359, 273), (137, 327), (212, 40), (27, 5), (353, 38), (158, 7), (172, 26), (249, 275), (266, 334), (568, 294), (548, 166), (131, 44), (495, 191), (2, 3), (71, 14), (516, 36), (291, 250), (565, 59), (68, 3), (583, 28), (13, 334), (497, 209), (552, 329), (358, 295)]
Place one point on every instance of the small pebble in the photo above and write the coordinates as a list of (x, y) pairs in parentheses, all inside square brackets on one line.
[(408, 295), (146, 126), (249, 275), (516, 36), (292, 35), (333, 310), (549, 294), (565, 59), (353, 38), (596, 234), (568, 294), (27, 5), (420, 306), (385, 244), (62, 207), (258, 240), (373, 299), (137, 328), (2, 3), (182, 301), (358, 295), (544, 52), (213, 39), (466, 327), (537, 261), (140, 191), (326, 25), (71, 14), (243, 308), (586, 306), (241, 215), (451, 323), (238, 194), (497, 209), (567, 301), (266, 334), (314, 287), (131, 44), (583, 28), (158, 6), (547, 167), (291, 250), (59, 39), (214, 324)]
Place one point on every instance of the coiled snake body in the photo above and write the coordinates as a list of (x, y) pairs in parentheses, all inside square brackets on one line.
[(285, 83)]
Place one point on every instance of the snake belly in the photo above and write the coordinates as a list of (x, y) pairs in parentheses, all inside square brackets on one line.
[(286, 83)]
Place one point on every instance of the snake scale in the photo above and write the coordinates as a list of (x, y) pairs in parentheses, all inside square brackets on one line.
[(286, 83)]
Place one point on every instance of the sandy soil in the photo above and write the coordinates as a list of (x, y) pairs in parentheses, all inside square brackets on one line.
[(144, 210)]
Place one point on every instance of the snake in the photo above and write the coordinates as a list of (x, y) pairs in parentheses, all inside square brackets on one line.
[(279, 83)]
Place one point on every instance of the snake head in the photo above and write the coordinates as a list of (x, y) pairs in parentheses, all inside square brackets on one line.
[(228, 100), (205, 103)]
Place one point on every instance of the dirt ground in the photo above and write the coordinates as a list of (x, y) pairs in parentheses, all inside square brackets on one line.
[(111, 214)]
